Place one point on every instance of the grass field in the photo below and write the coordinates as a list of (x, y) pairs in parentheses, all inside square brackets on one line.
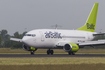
[(54, 67), (51, 60), (53, 63)]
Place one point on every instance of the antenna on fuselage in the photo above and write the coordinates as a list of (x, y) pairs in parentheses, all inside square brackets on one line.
[(56, 26)]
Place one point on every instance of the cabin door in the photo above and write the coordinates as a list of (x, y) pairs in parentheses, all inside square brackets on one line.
[(42, 36)]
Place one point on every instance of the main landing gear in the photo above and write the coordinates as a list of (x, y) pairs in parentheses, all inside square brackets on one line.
[(71, 53), (50, 52)]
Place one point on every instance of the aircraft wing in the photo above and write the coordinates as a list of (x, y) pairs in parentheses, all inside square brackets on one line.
[(92, 43), (86, 43), (16, 39)]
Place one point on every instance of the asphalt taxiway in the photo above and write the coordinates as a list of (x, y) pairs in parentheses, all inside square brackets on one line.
[(55, 55)]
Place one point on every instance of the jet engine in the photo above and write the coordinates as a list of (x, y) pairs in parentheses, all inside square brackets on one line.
[(71, 47), (27, 48)]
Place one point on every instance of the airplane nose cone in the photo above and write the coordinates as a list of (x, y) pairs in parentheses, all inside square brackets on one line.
[(28, 41), (25, 40)]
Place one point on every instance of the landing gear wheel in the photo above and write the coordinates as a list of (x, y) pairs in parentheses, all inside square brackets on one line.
[(69, 53), (32, 52), (50, 52), (73, 53)]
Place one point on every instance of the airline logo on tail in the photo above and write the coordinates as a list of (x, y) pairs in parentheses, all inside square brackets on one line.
[(90, 26), (91, 21)]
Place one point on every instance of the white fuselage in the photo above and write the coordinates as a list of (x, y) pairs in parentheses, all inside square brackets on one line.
[(48, 38)]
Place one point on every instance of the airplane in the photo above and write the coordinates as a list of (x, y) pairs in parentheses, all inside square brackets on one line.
[(68, 40)]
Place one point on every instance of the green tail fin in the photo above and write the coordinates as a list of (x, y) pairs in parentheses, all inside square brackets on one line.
[(91, 21)]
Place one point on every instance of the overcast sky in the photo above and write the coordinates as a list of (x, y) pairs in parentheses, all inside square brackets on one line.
[(26, 15)]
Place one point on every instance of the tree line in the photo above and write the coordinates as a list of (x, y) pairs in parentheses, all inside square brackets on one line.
[(5, 41)]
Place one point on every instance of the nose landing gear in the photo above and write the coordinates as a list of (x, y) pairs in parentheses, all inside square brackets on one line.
[(32, 52), (50, 52)]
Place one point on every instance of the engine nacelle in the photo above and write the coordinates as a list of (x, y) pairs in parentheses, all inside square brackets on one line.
[(27, 48), (71, 47)]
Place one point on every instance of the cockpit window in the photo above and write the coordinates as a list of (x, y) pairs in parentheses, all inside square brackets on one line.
[(33, 35), (28, 34)]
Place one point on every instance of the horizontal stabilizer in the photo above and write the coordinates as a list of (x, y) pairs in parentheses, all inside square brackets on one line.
[(16, 39)]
